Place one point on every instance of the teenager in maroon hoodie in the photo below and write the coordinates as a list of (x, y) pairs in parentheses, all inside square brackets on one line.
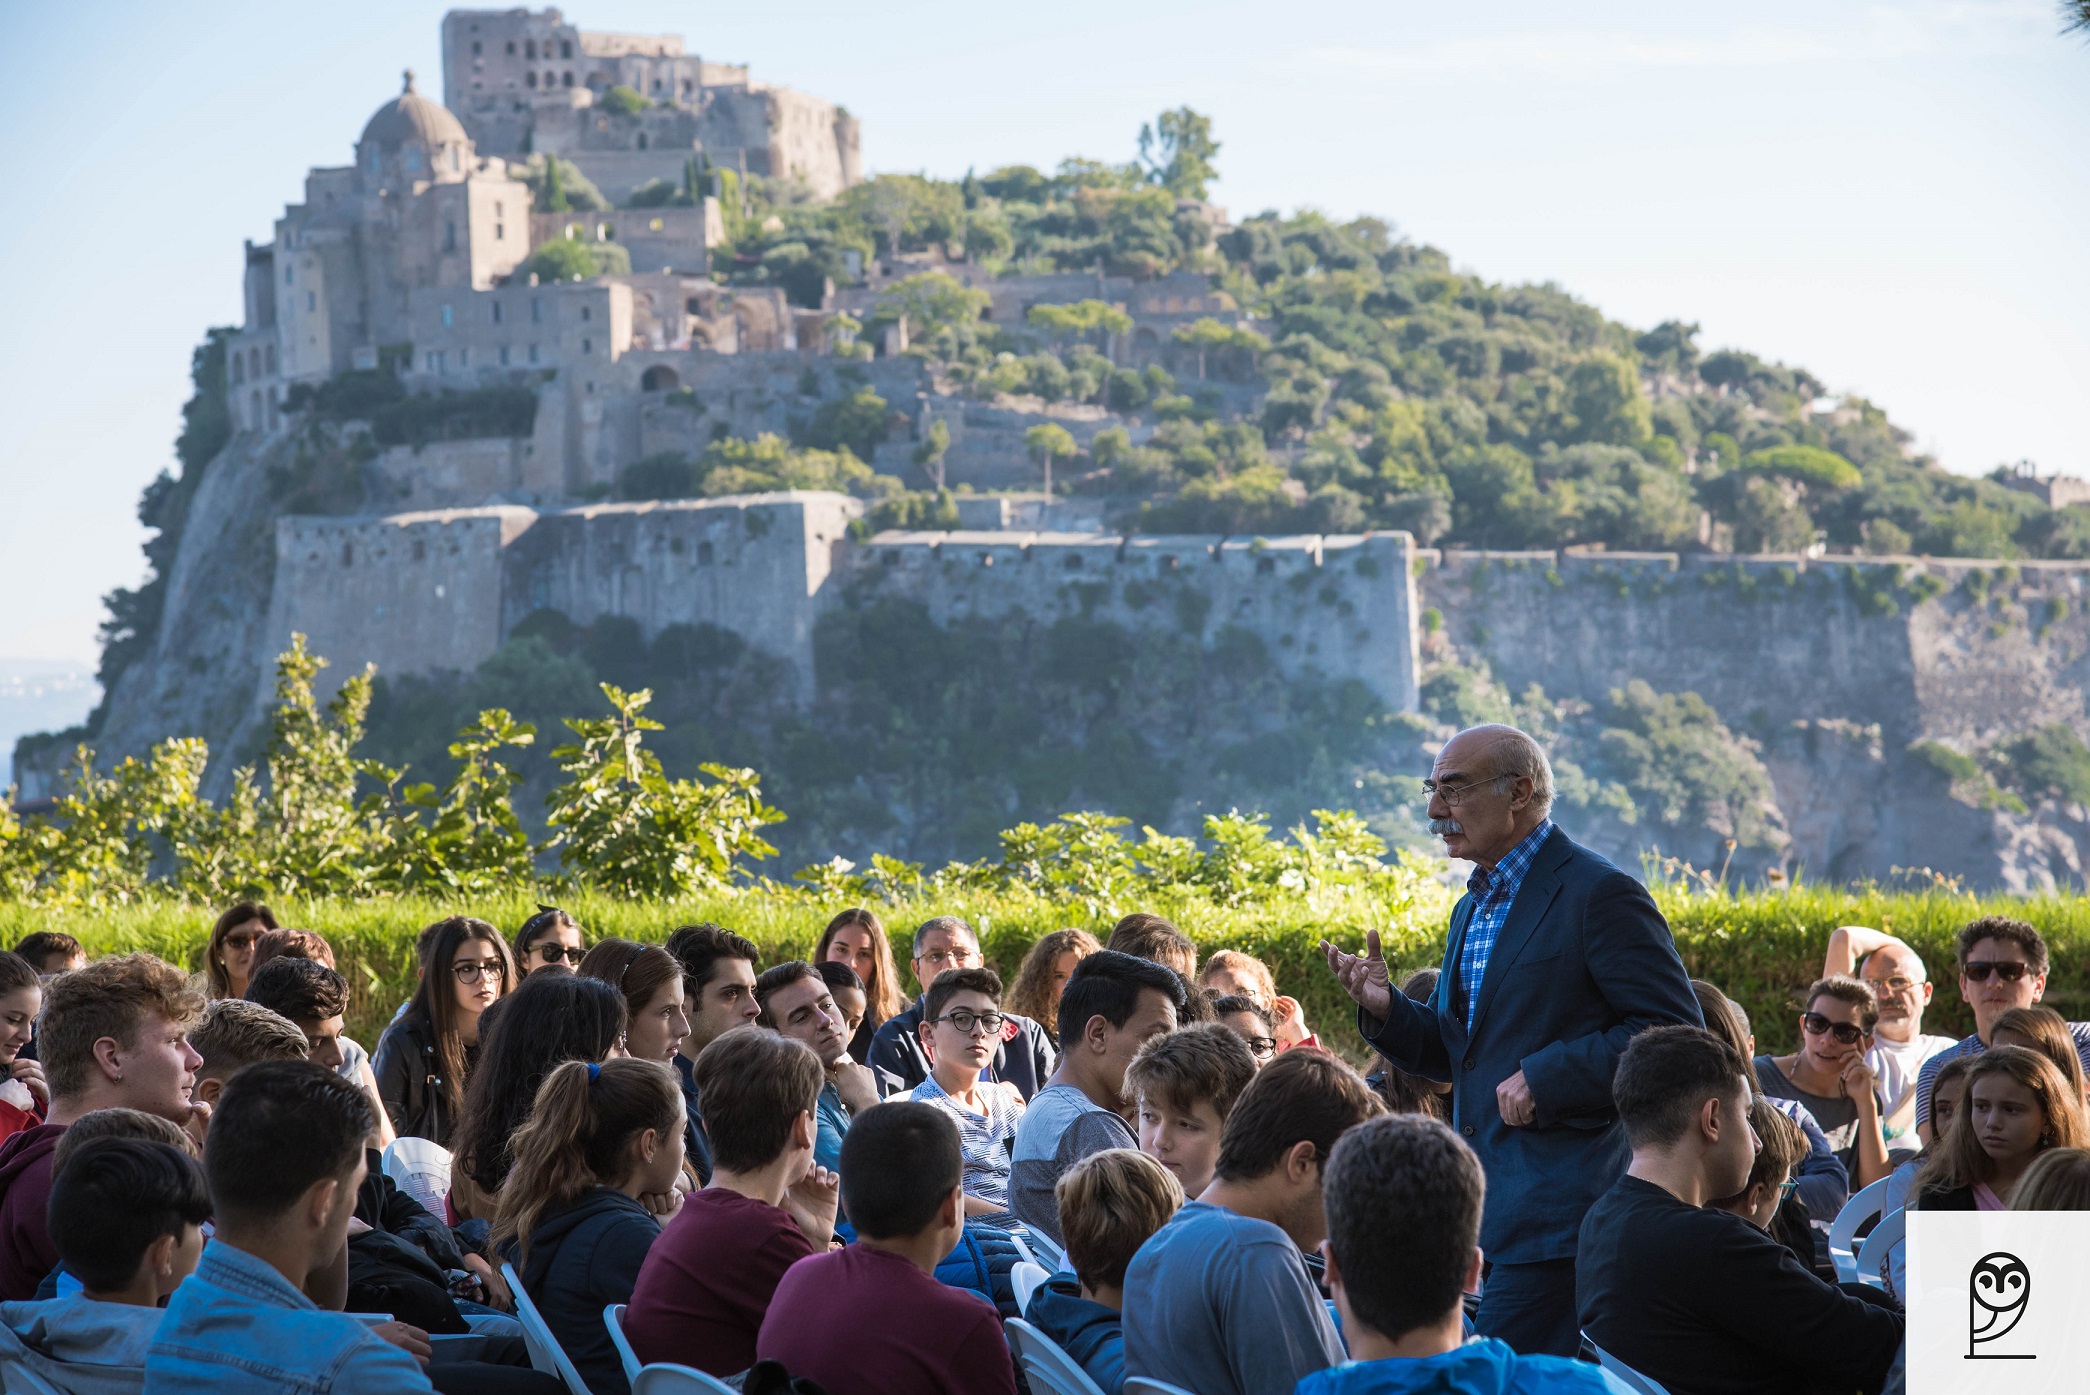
[(115, 1035)]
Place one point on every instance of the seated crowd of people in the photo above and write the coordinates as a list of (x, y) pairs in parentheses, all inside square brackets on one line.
[(794, 1174)]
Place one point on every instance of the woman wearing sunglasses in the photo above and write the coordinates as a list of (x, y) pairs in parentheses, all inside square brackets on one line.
[(228, 960), (548, 940), (1828, 1074), (426, 1056)]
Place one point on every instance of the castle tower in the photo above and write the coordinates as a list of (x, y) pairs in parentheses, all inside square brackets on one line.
[(411, 141)]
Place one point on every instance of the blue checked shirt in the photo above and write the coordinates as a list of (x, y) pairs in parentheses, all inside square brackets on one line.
[(1493, 892)]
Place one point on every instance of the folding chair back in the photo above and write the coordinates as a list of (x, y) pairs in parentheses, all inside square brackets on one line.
[(666, 1378), (1866, 1204), (1144, 1385), (545, 1352), (1027, 1278), (1045, 1364), (613, 1318), (1872, 1255), (1627, 1376), (420, 1167)]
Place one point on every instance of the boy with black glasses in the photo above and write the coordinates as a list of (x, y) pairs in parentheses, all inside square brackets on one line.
[(961, 1030), (1829, 1075), (2002, 965)]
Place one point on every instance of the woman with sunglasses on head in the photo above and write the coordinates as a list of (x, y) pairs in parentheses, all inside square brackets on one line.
[(548, 940), (425, 1059), (1829, 1075), (228, 960)]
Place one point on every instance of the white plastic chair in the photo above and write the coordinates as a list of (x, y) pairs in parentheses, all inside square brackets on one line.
[(1045, 1363), (1146, 1385), (546, 1354), (1026, 1277), (1873, 1252), (1865, 1205), (613, 1318), (1627, 1376), (421, 1168), (1049, 1255), (666, 1378)]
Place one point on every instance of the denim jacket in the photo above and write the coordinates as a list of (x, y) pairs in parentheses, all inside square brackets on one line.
[(237, 1326)]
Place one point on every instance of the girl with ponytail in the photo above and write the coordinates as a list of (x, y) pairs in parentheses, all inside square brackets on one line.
[(593, 1180)]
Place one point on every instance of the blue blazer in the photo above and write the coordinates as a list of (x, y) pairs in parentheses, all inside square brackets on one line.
[(1583, 962)]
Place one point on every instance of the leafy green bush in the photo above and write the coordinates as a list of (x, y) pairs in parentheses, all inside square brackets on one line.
[(571, 259), (2050, 761), (621, 100), (418, 418)]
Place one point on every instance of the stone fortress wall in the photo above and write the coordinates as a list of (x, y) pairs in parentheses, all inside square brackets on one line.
[(438, 591)]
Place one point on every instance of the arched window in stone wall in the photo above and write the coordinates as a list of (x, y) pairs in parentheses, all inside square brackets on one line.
[(529, 48), (566, 49), (659, 378), (254, 409), (566, 79), (239, 369), (270, 355), (530, 78)]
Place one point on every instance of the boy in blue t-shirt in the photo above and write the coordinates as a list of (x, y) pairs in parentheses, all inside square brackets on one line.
[(1403, 1196)]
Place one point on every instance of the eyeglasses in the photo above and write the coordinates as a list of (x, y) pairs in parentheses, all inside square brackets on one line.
[(968, 1022), (1262, 1048), (2009, 970), (1785, 1189), (553, 952), (472, 970), (1845, 1033), (1453, 794), (1900, 983), (243, 939), (941, 959)]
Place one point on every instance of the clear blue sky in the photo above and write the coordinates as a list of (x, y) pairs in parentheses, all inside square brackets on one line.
[(1893, 195)]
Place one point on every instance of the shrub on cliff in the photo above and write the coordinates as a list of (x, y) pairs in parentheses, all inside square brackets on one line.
[(571, 259)]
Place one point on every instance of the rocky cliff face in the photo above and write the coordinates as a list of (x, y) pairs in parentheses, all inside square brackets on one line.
[(209, 666)]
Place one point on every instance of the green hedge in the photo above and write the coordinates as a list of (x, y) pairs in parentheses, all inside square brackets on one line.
[(1763, 948)]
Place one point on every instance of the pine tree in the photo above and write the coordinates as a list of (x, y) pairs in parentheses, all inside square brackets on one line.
[(554, 190)]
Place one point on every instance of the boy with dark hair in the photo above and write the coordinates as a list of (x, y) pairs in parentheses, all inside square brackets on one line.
[(797, 1001), (114, 1035), (718, 992), (1186, 1084), (708, 1280), (2002, 965), (52, 952), (1110, 1203), (284, 1160), (871, 1319), (1112, 1005), (235, 1034), (1403, 1248), (1691, 1295), (962, 1025), (310, 994), (1023, 1056), (1247, 1019), (1220, 1300), (126, 1216)]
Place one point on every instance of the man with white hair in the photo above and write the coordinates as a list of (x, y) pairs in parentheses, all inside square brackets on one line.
[(1555, 960)]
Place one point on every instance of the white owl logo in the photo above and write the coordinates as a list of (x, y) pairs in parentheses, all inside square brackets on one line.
[(1997, 1292)]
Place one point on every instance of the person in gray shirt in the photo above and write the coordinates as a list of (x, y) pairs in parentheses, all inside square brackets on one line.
[(1219, 1301), (1111, 1005)]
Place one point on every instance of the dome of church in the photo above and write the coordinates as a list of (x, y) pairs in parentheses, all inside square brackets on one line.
[(412, 117)]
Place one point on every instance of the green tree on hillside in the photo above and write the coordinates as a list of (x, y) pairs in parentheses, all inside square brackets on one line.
[(1179, 153), (1047, 441)]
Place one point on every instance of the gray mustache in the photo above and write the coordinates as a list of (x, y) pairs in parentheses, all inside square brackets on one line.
[(1440, 827)]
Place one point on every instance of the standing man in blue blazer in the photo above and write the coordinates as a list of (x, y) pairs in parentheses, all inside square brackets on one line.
[(1556, 959)]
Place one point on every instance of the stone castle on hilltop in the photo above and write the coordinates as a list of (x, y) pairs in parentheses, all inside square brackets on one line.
[(411, 257)]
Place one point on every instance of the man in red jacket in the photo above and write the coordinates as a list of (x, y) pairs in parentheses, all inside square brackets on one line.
[(115, 1035)]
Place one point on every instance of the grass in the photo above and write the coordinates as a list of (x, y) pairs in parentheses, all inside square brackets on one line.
[(1762, 947)]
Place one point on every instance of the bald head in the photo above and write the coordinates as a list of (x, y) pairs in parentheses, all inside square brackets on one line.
[(1490, 786), (1896, 976)]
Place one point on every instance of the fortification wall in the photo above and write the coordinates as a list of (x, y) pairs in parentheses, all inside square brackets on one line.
[(756, 565), (1339, 606), (411, 593), (1948, 650)]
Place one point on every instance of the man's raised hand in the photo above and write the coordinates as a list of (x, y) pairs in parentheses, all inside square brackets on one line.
[(1363, 976)]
